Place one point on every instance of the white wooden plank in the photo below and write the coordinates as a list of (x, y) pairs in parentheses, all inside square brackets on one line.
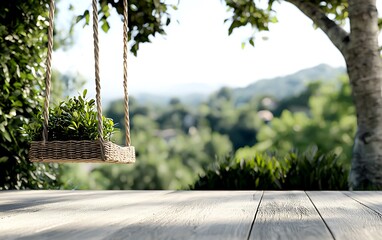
[(288, 215), (15, 201), (42, 218), (198, 215), (372, 199), (345, 217), (110, 217)]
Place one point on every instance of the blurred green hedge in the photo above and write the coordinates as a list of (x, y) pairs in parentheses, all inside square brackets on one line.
[(310, 170)]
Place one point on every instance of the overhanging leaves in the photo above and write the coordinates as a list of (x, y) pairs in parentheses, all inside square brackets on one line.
[(259, 14), (146, 19)]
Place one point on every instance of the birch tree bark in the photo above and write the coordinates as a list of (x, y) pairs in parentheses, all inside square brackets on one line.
[(364, 66)]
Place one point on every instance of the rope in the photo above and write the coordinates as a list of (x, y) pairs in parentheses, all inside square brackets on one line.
[(97, 72), (48, 72), (96, 67), (125, 54)]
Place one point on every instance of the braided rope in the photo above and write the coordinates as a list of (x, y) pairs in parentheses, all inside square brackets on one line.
[(96, 66), (48, 72), (125, 54)]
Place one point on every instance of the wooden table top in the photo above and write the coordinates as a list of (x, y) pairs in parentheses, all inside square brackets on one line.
[(190, 215)]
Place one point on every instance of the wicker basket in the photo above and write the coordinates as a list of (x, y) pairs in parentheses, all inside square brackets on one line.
[(80, 151)]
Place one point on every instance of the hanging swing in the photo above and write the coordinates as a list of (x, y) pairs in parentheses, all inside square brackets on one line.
[(91, 151)]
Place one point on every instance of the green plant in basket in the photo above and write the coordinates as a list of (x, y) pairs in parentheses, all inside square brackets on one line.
[(72, 119)]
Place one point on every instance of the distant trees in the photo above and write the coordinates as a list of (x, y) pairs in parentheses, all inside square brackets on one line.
[(176, 142), (327, 121), (240, 123), (307, 148), (171, 147)]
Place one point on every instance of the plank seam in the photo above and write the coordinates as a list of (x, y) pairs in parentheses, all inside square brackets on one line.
[(254, 218), (376, 211), (327, 226)]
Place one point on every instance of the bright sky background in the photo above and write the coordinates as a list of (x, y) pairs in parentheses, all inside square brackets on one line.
[(197, 51)]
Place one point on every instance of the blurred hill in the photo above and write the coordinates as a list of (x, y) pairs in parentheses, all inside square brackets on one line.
[(279, 87), (289, 85)]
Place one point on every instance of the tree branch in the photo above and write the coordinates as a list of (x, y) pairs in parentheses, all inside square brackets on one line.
[(335, 33)]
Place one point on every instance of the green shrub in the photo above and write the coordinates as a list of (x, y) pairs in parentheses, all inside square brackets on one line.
[(260, 172), (307, 171), (315, 171), (73, 119)]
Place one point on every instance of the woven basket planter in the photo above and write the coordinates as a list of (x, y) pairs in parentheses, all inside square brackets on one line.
[(80, 151)]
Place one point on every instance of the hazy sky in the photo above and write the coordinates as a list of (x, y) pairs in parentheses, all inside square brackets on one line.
[(197, 50)]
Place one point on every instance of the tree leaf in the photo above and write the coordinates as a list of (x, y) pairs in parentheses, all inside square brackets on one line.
[(7, 136), (4, 159), (105, 26), (251, 42), (87, 16)]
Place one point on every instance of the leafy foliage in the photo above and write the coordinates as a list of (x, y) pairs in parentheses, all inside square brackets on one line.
[(308, 171), (328, 123), (249, 13), (260, 172), (239, 123), (146, 19), (315, 171), (22, 43), (73, 119), (259, 15)]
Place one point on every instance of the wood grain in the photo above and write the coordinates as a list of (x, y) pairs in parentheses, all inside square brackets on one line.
[(372, 199), (129, 215), (198, 215), (288, 215), (56, 214), (347, 218)]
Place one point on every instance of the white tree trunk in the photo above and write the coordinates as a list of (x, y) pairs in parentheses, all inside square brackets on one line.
[(364, 67)]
